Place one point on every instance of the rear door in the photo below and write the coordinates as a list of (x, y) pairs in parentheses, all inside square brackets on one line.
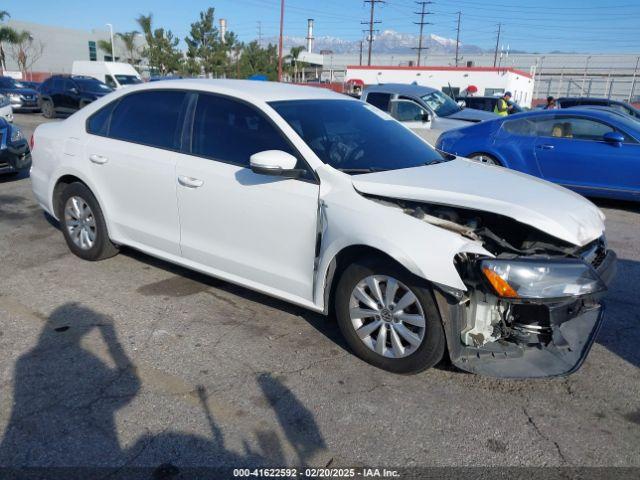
[(570, 150), (132, 151), (256, 229)]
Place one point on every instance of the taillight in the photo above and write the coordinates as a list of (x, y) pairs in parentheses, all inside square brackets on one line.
[(31, 141)]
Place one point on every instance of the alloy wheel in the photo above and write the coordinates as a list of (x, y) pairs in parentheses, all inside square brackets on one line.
[(80, 222), (387, 316), (486, 159)]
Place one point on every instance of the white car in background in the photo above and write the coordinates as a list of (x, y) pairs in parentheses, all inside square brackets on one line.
[(327, 202), (6, 110)]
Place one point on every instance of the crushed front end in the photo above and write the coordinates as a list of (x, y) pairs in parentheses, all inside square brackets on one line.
[(532, 309)]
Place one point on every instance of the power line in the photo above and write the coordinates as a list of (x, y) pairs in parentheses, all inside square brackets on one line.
[(495, 55), (422, 23), (458, 37), (371, 22)]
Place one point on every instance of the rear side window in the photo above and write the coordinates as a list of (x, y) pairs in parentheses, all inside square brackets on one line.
[(98, 123), (522, 126), (231, 131), (151, 118), (380, 100)]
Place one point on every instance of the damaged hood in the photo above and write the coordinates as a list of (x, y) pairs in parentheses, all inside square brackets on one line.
[(463, 183)]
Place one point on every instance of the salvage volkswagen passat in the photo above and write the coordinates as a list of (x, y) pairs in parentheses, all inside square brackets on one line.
[(327, 202)]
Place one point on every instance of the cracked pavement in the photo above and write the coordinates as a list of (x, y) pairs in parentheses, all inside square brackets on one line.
[(133, 361)]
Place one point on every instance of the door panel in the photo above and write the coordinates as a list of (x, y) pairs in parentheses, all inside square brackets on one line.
[(255, 227), (259, 229), (570, 152)]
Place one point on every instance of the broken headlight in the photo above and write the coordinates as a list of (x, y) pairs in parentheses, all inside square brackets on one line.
[(535, 279)]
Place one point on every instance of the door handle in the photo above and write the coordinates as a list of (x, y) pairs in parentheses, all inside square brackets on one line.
[(190, 182), (546, 147), (99, 159)]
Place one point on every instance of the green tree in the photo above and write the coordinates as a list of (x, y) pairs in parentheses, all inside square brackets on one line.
[(130, 47), (254, 60), (162, 47), (105, 46), (292, 65), (7, 36)]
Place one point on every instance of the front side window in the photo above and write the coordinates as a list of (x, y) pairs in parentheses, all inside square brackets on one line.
[(355, 137), (406, 111), (380, 100), (151, 118), (231, 131), (127, 79), (109, 81), (573, 127), (91, 85), (440, 103)]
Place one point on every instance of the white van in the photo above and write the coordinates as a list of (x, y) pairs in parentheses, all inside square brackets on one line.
[(114, 74)]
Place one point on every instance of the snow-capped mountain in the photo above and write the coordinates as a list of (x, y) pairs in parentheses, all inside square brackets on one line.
[(387, 41)]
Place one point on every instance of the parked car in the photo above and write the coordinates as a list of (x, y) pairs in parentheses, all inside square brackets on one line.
[(33, 85), (625, 107), (14, 149), (487, 104), (6, 110), (445, 113), (321, 200), (23, 99), (594, 152), (114, 74), (67, 94)]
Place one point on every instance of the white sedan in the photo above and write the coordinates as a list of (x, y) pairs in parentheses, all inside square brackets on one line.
[(329, 203)]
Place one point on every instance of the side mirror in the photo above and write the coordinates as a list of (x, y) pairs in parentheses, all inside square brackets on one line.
[(74, 90), (275, 163), (425, 117), (461, 103), (614, 138)]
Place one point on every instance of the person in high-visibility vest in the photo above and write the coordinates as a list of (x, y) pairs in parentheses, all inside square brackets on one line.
[(503, 107)]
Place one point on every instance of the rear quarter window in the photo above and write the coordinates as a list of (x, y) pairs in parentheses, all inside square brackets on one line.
[(98, 123), (380, 100)]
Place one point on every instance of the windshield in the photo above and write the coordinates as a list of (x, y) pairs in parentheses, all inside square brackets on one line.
[(127, 79), (440, 103), (93, 86), (355, 137)]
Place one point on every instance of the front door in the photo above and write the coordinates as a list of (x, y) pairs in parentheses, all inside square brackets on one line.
[(570, 150), (254, 229)]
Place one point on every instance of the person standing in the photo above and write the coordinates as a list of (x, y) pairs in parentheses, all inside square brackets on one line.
[(503, 106), (551, 104)]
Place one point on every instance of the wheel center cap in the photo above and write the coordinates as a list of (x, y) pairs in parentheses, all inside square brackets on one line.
[(386, 315)]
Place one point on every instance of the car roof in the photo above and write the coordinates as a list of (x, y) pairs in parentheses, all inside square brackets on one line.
[(401, 88), (587, 99), (251, 90), (588, 111)]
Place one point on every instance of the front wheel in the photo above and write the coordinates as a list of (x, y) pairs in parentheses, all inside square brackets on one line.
[(389, 317), (484, 158), (47, 108)]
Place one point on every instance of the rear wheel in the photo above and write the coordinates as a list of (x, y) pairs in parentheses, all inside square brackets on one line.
[(48, 110), (83, 224), (389, 317), (484, 158)]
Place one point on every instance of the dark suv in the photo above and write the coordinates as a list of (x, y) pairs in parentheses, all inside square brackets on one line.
[(488, 104), (23, 98), (67, 94), (568, 102)]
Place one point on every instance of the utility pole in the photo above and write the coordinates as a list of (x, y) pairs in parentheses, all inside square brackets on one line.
[(259, 32), (495, 55), (422, 23), (458, 37), (280, 41), (360, 52), (371, 22)]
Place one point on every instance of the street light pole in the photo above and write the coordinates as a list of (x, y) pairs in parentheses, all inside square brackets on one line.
[(113, 50), (584, 77)]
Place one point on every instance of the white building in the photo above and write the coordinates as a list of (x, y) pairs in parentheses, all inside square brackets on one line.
[(486, 80)]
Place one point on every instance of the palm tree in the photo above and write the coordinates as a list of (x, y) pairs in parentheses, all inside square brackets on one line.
[(129, 41), (8, 35), (105, 46)]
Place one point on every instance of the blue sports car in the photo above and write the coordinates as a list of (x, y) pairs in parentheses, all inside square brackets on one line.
[(594, 152)]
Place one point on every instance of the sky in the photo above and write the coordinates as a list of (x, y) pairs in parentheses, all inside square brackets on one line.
[(593, 26)]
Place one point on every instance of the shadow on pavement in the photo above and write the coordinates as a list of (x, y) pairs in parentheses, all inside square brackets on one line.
[(66, 398)]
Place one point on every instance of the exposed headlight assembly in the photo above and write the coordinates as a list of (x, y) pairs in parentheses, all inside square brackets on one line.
[(537, 279)]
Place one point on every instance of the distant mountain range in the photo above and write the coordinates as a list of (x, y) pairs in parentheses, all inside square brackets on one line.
[(388, 41)]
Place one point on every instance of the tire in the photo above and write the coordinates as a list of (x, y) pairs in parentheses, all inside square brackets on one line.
[(92, 244), (416, 357), (48, 110), (485, 158)]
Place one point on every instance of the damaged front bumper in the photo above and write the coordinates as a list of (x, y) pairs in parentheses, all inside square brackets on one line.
[(541, 338)]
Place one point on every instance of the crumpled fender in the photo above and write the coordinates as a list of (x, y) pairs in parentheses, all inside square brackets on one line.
[(424, 249)]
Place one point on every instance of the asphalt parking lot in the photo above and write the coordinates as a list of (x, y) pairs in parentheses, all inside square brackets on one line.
[(133, 361)]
